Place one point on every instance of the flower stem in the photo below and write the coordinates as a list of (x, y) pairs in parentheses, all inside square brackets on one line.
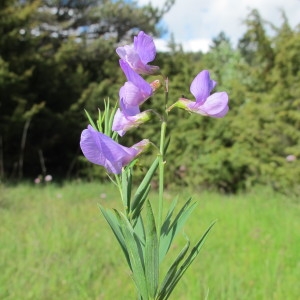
[(162, 162), (161, 176)]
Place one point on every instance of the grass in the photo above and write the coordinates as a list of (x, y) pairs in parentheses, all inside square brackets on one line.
[(54, 244)]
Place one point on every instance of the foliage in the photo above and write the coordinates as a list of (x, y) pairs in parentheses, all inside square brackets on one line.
[(55, 61), (46, 81), (258, 142)]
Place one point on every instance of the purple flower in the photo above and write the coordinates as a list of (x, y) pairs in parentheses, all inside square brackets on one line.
[(136, 90), (140, 54), (127, 118), (100, 149), (215, 105)]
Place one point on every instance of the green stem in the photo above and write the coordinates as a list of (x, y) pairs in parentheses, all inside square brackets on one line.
[(161, 176), (162, 162)]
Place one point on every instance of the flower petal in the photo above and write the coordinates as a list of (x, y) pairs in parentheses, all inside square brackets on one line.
[(222, 113), (128, 110), (135, 78), (102, 150), (216, 104), (145, 47), (202, 86), (136, 90), (132, 95)]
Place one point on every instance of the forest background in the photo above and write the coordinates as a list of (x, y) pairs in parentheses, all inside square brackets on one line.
[(58, 58)]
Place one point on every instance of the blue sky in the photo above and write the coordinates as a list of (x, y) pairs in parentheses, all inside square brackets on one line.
[(195, 22)]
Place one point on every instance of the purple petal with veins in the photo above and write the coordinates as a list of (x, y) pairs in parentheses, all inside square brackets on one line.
[(138, 55), (215, 105), (102, 150), (202, 86), (145, 47)]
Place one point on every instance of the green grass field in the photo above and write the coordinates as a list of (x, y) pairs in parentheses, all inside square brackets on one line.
[(55, 244)]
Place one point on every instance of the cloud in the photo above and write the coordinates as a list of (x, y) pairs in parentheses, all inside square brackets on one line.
[(194, 23), (192, 45)]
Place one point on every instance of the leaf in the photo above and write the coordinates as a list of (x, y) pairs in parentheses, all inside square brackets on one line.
[(116, 228), (114, 134), (193, 254), (143, 189), (100, 121), (168, 232), (167, 282), (90, 120), (139, 229), (137, 211), (135, 253), (151, 253)]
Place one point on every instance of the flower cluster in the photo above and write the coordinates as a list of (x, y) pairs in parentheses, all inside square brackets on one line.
[(101, 149)]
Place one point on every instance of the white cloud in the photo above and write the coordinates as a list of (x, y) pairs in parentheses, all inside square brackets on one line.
[(192, 45), (194, 22), (195, 45)]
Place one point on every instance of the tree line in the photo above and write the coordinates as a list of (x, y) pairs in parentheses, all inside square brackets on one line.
[(58, 58)]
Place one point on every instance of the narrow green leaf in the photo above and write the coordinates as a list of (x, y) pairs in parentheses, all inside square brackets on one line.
[(167, 221), (193, 254), (100, 121), (144, 184), (107, 130), (116, 228), (112, 115), (136, 256), (167, 282), (135, 212), (139, 229), (151, 253), (90, 120), (168, 233)]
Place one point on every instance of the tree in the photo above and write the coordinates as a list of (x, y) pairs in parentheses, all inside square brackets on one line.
[(57, 58)]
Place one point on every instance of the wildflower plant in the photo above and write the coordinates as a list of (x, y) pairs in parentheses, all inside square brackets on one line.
[(144, 235)]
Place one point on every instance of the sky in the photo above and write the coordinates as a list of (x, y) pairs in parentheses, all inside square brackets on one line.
[(195, 22)]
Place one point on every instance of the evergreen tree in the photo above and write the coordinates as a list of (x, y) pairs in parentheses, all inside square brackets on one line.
[(57, 58)]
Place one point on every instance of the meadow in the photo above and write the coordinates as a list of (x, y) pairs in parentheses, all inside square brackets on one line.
[(55, 244)]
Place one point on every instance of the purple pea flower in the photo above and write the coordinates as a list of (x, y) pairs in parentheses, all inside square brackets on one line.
[(100, 149), (127, 118), (136, 90), (140, 54), (215, 105)]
